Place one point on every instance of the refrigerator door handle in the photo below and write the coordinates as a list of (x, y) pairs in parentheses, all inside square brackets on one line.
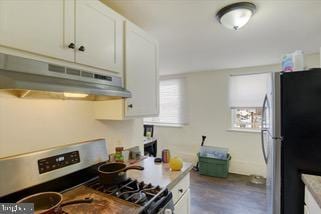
[(263, 148), (263, 128), (263, 112)]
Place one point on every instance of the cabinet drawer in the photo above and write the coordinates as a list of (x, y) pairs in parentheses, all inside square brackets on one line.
[(312, 206), (180, 188)]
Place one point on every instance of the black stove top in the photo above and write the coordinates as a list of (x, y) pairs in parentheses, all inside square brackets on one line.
[(131, 190), (145, 195)]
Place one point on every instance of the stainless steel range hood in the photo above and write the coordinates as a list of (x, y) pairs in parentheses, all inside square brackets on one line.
[(35, 79)]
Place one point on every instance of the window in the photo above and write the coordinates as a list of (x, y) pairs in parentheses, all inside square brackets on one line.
[(246, 95), (246, 118), (172, 101)]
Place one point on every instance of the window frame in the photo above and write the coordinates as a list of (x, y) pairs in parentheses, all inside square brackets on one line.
[(245, 103)]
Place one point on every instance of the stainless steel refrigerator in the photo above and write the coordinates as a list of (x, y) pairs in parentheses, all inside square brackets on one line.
[(291, 137)]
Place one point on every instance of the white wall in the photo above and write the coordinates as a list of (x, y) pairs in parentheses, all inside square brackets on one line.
[(209, 115), (28, 125)]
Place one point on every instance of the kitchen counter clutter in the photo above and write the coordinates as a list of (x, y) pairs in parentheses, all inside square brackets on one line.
[(177, 182), (312, 197), (159, 173)]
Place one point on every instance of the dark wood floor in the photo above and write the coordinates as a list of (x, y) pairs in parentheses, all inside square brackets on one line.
[(233, 195)]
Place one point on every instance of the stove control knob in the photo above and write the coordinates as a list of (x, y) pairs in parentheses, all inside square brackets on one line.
[(168, 211)]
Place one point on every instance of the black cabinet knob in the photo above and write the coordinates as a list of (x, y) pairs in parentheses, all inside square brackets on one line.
[(71, 45), (130, 106), (81, 48)]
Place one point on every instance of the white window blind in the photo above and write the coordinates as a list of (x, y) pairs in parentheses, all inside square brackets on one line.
[(172, 103), (247, 90)]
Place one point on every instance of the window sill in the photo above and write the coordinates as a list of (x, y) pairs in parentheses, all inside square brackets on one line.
[(244, 130), (166, 125)]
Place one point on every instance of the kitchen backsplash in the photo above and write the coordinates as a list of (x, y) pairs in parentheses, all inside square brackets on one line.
[(28, 125)]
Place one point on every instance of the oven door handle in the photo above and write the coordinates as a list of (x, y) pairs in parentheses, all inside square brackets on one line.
[(159, 206)]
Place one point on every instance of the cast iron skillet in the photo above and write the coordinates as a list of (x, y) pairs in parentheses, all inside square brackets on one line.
[(50, 202), (114, 173)]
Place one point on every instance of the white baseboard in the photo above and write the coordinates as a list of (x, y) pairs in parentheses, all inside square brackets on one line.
[(247, 168)]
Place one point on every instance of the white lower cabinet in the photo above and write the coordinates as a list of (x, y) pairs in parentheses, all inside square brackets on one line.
[(183, 205), (181, 196), (311, 206)]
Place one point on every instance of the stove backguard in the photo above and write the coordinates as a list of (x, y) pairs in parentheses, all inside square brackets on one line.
[(23, 171)]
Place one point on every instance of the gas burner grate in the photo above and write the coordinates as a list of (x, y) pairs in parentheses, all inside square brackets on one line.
[(130, 190)]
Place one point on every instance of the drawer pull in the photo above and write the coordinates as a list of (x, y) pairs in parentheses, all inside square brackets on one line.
[(181, 190)]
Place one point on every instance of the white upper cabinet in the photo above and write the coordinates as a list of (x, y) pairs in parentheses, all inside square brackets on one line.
[(141, 79), (44, 27), (141, 72), (85, 32), (99, 36)]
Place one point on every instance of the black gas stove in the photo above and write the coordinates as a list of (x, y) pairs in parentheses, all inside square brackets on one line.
[(78, 180)]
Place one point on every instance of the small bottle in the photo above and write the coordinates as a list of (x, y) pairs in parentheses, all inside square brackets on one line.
[(119, 154), (298, 60)]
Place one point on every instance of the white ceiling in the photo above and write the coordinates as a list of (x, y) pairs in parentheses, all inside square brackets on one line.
[(191, 39)]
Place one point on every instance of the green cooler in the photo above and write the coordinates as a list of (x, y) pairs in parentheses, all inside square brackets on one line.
[(214, 167)]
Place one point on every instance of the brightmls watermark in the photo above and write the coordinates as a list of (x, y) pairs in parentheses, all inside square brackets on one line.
[(23, 208)]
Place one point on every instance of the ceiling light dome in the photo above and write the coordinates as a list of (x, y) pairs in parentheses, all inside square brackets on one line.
[(235, 16)]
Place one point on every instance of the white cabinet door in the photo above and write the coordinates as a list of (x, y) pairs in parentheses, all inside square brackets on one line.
[(141, 72), (312, 206), (183, 205), (44, 27), (99, 36)]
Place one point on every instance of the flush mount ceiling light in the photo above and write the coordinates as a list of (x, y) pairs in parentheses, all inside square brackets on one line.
[(235, 16)]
